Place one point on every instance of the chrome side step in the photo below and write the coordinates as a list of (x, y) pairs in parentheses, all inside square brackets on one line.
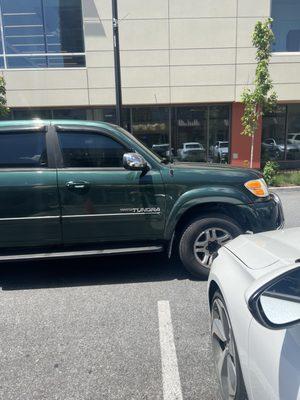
[(74, 254)]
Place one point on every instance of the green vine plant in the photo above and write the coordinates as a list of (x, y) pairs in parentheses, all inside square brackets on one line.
[(262, 98), (4, 110)]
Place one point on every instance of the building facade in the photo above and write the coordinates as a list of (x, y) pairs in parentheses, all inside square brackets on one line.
[(184, 67)]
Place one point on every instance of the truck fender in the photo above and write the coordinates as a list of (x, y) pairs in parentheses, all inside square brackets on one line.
[(203, 195)]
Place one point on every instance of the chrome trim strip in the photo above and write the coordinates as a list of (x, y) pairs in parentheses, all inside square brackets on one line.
[(107, 215), (75, 216), (30, 218), (63, 254)]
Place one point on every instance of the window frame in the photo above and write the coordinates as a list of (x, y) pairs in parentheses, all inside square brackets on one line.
[(48, 143)]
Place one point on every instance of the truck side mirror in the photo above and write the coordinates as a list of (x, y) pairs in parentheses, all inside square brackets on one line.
[(135, 162)]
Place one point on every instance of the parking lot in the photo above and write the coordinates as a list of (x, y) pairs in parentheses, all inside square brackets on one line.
[(100, 328)]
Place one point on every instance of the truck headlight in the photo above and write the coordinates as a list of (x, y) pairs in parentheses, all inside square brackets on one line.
[(258, 187)]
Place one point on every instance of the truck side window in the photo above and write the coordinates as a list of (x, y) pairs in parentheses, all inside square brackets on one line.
[(90, 150), (23, 150)]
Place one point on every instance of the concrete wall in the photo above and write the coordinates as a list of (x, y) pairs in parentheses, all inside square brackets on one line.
[(172, 51)]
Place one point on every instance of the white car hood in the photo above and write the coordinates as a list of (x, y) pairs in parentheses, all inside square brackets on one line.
[(265, 249)]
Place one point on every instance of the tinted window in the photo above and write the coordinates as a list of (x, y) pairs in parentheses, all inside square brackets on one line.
[(88, 150), (23, 150)]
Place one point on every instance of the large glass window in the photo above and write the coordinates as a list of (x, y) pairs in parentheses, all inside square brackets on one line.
[(202, 133), (109, 115), (90, 150), (219, 126), (191, 135), (151, 126), (197, 133), (273, 136), (293, 132), (72, 113), (29, 113), (281, 136), (286, 25), (23, 150), (42, 33)]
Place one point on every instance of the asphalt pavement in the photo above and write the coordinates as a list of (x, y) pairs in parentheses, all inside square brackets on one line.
[(99, 328)]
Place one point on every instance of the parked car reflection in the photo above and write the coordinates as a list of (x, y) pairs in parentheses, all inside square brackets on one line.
[(192, 151), (219, 152), (163, 150), (274, 150), (294, 138)]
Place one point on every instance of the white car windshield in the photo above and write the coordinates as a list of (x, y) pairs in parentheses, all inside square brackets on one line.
[(194, 146)]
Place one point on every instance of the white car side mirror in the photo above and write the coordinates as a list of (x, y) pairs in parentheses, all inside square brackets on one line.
[(276, 305)]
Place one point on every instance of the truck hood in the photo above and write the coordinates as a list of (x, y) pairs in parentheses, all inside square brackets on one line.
[(225, 168), (266, 249)]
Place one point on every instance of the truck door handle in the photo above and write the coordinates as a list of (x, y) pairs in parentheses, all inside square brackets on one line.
[(82, 185)]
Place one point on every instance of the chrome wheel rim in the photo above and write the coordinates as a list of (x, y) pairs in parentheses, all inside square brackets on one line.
[(224, 351), (208, 243)]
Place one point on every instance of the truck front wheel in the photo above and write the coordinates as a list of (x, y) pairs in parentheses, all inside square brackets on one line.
[(201, 240)]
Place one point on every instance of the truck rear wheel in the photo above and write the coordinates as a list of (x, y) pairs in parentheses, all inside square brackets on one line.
[(201, 240)]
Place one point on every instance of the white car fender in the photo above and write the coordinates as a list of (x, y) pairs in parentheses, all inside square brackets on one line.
[(224, 271)]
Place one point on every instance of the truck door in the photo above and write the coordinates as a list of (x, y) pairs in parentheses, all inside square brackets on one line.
[(100, 200), (29, 205)]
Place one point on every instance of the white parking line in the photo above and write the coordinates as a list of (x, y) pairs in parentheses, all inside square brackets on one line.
[(170, 373)]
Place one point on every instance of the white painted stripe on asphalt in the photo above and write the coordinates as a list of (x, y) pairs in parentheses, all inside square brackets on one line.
[(170, 374)]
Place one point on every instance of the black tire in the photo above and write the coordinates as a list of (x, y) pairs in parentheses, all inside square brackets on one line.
[(190, 235), (241, 393)]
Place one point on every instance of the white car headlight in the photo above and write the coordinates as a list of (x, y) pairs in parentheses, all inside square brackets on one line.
[(258, 187)]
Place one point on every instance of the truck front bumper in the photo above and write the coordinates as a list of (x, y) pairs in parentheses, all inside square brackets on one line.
[(265, 215)]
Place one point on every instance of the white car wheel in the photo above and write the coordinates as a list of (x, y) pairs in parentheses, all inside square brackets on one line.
[(225, 354)]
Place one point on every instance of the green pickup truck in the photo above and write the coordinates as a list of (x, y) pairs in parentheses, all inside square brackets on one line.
[(74, 188)]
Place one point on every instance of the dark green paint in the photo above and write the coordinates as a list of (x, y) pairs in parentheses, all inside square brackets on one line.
[(96, 213)]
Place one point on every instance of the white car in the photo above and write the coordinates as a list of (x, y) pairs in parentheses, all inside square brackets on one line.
[(219, 152), (254, 296), (294, 138), (192, 151)]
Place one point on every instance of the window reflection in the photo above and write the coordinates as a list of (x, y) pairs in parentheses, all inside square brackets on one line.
[(293, 138), (71, 113), (202, 133), (191, 137), (90, 150), (40, 113), (281, 136), (35, 28), (286, 25), (151, 126), (219, 134), (23, 150), (198, 134), (273, 136)]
